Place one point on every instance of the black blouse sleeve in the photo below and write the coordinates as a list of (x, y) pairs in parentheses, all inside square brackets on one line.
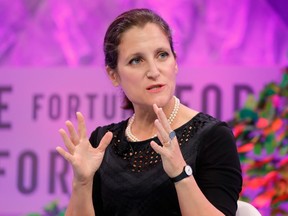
[(96, 136), (218, 168), (94, 139)]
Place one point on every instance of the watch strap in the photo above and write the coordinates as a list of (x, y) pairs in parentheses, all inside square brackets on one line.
[(181, 176)]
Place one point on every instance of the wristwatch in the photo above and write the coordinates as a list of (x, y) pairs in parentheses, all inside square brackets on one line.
[(187, 171)]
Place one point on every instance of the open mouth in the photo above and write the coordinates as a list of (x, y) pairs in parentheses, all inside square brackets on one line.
[(154, 87)]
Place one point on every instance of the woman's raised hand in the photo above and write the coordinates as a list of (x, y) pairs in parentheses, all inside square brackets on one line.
[(85, 159), (172, 158)]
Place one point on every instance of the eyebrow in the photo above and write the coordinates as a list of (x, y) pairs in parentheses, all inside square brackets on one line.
[(163, 49), (156, 51)]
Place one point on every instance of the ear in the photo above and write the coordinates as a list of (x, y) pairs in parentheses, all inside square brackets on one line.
[(113, 76), (176, 68)]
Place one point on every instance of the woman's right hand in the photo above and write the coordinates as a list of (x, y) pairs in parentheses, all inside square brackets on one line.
[(85, 159)]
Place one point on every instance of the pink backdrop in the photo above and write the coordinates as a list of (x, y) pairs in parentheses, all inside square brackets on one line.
[(51, 65)]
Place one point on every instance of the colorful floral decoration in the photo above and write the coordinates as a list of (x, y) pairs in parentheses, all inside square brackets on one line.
[(261, 131)]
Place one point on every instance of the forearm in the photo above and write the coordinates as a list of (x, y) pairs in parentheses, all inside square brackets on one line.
[(192, 201), (81, 200)]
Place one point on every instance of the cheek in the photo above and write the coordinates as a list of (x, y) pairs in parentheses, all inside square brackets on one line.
[(130, 81), (172, 68)]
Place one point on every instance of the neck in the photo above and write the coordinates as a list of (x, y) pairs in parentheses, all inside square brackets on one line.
[(170, 119)]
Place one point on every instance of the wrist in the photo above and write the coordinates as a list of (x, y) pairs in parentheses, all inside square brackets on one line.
[(82, 183), (186, 172)]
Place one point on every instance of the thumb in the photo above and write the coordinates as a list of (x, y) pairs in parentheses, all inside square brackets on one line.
[(105, 141)]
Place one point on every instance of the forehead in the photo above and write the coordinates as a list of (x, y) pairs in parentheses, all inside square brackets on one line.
[(137, 37)]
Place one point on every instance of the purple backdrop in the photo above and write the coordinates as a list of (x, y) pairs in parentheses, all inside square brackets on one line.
[(206, 32), (52, 65)]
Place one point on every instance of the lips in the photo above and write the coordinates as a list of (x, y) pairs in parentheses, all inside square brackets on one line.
[(157, 88), (154, 87)]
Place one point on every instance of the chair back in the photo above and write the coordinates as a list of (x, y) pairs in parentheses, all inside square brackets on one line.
[(246, 209)]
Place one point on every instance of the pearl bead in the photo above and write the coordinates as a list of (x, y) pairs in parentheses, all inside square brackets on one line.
[(171, 118)]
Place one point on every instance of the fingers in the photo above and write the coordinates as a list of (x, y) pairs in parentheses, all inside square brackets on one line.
[(81, 125), (157, 148), (74, 139), (69, 145), (162, 134), (105, 141), (73, 134), (163, 127), (162, 118), (64, 154)]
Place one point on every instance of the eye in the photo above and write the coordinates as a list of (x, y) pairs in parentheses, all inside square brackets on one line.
[(135, 61), (163, 55)]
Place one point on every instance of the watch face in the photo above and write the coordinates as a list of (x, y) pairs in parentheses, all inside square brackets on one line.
[(188, 170)]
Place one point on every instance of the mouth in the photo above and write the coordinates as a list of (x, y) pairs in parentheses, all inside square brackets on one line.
[(154, 87)]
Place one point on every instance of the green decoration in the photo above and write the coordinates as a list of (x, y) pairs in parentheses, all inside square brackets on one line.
[(264, 125)]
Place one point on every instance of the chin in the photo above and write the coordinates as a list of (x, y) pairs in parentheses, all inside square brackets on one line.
[(161, 101)]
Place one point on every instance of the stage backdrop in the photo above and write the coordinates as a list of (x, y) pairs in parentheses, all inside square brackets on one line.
[(34, 104)]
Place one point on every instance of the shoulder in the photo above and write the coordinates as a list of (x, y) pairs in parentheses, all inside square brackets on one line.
[(214, 132), (206, 123), (99, 132), (216, 140)]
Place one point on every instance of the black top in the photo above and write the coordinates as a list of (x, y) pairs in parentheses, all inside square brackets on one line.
[(131, 179)]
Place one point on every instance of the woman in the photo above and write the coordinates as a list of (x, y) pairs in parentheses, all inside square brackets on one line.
[(166, 159)]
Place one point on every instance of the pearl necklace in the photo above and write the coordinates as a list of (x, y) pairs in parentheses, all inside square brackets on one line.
[(171, 118)]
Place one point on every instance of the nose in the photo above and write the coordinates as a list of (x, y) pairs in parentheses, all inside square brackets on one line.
[(152, 71)]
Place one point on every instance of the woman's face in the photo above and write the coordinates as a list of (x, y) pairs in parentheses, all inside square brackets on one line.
[(146, 68)]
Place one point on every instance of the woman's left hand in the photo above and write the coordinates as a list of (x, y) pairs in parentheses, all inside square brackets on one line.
[(172, 158)]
